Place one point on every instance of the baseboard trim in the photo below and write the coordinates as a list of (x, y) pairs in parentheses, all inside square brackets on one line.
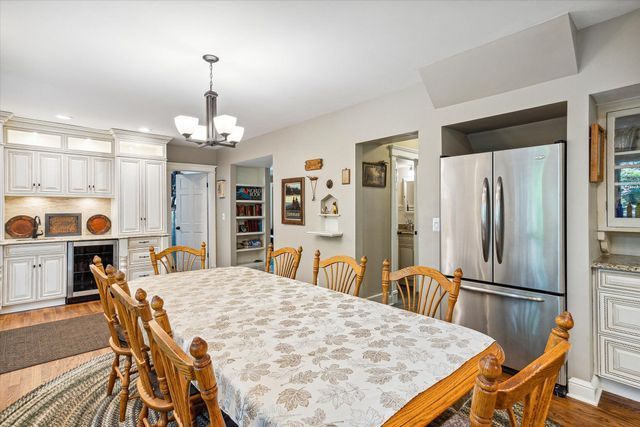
[(585, 391), (378, 297), (620, 389)]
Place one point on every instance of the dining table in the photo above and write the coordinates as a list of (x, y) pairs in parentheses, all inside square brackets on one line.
[(288, 353)]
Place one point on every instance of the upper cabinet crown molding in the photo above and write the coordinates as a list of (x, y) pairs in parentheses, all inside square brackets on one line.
[(4, 116), (23, 123)]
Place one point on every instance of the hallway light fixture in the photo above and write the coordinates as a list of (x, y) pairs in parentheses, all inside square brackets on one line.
[(219, 130)]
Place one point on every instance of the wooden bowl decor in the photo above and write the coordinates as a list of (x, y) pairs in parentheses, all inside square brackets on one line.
[(20, 226), (99, 224)]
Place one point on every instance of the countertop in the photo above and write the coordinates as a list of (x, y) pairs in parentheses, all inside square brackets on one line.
[(73, 238), (626, 263)]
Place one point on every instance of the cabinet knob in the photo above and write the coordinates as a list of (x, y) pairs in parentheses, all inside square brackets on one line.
[(39, 265), (34, 266), (38, 184)]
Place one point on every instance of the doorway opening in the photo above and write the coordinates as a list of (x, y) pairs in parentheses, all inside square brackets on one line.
[(192, 207), (251, 211), (386, 214)]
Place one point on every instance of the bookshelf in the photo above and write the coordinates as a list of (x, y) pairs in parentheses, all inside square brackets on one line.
[(251, 217)]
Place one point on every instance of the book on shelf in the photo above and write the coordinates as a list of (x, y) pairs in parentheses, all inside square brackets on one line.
[(247, 192)]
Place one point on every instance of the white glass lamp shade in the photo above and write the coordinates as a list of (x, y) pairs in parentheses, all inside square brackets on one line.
[(236, 134), (200, 133), (224, 124), (186, 125)]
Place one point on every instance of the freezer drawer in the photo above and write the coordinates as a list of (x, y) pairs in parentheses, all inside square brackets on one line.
[(520, 321)]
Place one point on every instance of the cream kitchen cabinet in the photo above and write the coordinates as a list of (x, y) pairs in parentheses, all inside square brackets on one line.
[(33, 172), (618, 326), (87, 175), (141, 196), (33, 273)]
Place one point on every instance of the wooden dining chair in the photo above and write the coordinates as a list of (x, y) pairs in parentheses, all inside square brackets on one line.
[(151, 383), (342, 273), (422, 289), (533, 385), (181, 370), (285, 261), (178, 258), (118, 339)]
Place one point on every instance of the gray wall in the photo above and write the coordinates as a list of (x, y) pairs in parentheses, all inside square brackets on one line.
[(609, 59), (373, 209), (179, 153)]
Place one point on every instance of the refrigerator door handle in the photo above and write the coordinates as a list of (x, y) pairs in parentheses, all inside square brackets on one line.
[(498, 218), (502, 294), (484, 219)]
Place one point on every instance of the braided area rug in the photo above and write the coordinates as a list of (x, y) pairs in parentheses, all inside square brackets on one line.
[(78, 398)]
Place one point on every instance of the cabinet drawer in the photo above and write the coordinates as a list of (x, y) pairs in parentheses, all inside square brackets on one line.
[(620, 361), (144, 242), (35, 249), (136, 273), (140, 257), (619, 314), (619, 281)]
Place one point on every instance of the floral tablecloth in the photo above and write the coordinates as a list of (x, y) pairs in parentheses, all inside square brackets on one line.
[(287, 353)]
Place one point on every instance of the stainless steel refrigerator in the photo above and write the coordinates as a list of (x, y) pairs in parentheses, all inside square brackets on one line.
[(502, 220)]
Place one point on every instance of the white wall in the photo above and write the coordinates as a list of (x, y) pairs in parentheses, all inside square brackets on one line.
[(609, 58), (180, 153)]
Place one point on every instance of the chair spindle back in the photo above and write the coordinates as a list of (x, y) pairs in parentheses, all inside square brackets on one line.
[(342, 273), (285, 261), (178, 258)]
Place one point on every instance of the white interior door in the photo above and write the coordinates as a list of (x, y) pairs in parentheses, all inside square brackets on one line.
[(191, 209)]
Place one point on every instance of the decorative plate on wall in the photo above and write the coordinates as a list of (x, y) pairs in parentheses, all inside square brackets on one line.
[(20, 226), (99, 224)]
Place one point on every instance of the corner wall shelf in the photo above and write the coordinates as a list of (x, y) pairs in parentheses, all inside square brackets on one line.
[(326, 233)]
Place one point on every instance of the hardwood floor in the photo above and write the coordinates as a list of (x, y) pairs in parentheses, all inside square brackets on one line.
[(612, 411), (16, 384)]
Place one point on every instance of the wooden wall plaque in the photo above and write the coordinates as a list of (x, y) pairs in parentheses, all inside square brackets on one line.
[(596, 153), (313, 164), (62, 224)]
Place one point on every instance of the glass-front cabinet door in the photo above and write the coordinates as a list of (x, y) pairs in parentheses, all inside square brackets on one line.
[(623, 168)]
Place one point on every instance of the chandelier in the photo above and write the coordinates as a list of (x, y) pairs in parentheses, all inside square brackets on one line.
[(219, 130)]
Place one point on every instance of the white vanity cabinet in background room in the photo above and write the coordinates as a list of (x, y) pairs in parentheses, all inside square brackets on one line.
[(142, 196), (617, 296), (33, 172), (88, 175), (34, 273)]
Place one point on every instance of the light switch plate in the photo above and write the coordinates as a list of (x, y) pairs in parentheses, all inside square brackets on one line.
[(436, 224)]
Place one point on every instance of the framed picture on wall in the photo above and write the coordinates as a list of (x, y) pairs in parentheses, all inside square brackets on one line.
[(293, 201), (374, 174), (220, 188)]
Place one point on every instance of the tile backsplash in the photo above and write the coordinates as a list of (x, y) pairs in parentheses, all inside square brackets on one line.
[(87, 206)]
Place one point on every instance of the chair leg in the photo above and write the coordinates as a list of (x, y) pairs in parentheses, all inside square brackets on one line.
[(112, 375), (124, 393), (144, 413), (163, 421)]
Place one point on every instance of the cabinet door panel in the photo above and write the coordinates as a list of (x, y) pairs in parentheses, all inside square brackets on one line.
[(154, 196), (20, 174), (20, 280), (102, 174), (78, 174), (49, 173), (52, 273), (130, 195)]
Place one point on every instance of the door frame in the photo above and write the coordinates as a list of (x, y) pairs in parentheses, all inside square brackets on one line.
[(412, 155), (210, 170)]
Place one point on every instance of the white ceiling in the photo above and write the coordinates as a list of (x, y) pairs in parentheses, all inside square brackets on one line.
[(129, 64)]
